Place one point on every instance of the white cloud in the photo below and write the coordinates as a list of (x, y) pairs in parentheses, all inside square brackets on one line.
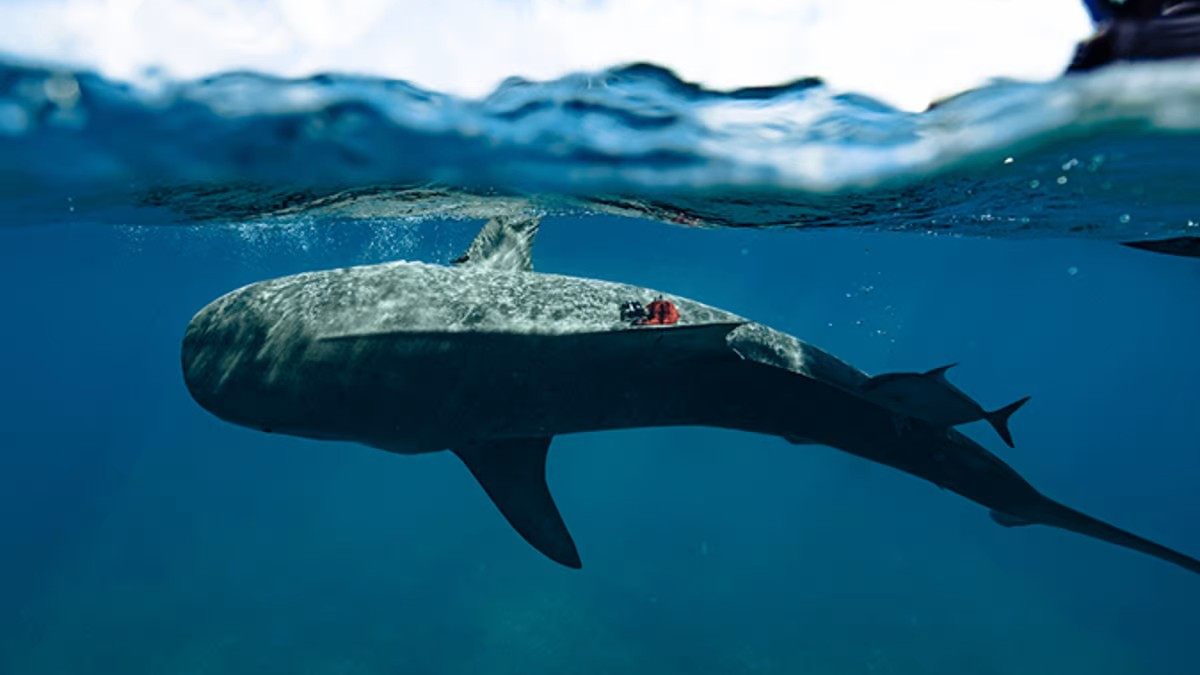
[(904, 52)]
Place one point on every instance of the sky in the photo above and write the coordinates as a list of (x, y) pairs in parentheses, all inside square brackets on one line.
[(906, 53)]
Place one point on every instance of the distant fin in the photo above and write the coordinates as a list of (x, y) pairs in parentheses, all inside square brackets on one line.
[(504, 243), (999, 419), (939, 373), (1184, 246), (1009, 521), (513, 473)]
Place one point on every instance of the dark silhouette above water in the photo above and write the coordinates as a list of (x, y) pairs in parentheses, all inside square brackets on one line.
[(491, 360), (1139, 30)]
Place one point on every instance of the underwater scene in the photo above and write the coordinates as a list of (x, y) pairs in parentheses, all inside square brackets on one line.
[(615, 372)]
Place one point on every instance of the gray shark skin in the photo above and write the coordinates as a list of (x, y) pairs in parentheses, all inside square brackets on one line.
[(491, 364)]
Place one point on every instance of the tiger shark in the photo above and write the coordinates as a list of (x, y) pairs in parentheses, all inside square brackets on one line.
[(491, 360)]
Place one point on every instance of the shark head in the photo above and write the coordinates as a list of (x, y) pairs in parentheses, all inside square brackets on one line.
[(217, 375), (238, 356)]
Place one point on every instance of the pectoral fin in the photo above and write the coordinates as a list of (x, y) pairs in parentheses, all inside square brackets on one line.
[(513, 473)]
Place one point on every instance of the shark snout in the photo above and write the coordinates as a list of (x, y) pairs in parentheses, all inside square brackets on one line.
[(217, 359), (201, 364)]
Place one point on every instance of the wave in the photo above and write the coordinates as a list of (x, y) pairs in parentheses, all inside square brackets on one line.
[(1111, 154)]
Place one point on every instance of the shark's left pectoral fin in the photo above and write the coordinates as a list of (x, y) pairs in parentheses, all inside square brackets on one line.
[(513, 473)]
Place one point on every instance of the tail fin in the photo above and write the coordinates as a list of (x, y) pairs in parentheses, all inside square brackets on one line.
[(999, 419), (1057, 515)]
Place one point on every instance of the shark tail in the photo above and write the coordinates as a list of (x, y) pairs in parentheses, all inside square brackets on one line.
[(1064, 517), (999, 419)]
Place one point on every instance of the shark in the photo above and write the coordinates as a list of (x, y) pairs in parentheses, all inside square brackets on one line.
[(490, 360)]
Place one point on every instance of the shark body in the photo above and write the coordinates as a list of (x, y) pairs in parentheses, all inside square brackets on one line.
[(491, 360)]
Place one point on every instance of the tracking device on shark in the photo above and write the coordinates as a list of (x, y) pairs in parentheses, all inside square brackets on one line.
[(491, 360)]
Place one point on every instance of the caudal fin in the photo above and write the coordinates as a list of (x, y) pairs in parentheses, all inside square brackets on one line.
[(1056, 515), (999, 419)]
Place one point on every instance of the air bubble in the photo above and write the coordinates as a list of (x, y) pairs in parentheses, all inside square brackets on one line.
[(62, 89)]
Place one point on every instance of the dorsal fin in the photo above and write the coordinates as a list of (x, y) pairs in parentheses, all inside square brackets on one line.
[(939, 373), (513, 473), (504, 243)]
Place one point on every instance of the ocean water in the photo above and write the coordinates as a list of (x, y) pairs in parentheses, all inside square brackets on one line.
[(143, 535)]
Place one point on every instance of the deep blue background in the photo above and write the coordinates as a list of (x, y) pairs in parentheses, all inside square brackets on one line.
[(139, 534)]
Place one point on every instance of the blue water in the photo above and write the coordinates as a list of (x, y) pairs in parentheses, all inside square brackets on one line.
[(142, 535)]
